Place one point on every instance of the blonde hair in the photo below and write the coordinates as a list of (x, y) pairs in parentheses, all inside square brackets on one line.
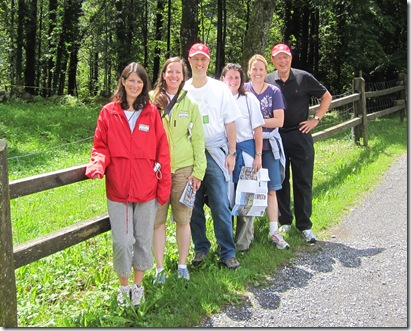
[(256, 57)]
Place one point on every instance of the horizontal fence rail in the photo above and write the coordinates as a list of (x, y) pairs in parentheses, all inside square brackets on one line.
[(15, 257)]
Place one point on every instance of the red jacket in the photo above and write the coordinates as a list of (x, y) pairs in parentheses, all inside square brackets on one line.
[(127, 159)]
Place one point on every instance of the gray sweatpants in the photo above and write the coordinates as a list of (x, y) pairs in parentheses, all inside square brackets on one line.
[(132, 227)]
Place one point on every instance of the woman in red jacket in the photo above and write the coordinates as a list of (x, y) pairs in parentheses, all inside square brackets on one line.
[(131, 149)]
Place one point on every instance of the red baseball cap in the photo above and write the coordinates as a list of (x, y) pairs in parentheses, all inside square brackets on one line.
[(280, 48), (199, 49)]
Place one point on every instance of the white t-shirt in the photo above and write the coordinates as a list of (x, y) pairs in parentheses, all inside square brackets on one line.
[(132, 118), (216, 104), (243, 128)]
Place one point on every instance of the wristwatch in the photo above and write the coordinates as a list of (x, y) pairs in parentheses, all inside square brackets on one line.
[(233, 153), (317, 118)]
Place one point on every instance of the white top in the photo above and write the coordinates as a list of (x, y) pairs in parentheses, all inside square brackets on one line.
[(242, 124), (216, 105), (132, 118)]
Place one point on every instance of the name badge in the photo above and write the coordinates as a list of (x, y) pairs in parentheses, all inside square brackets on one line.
[(144, 127), (205, 119), (183, 114)]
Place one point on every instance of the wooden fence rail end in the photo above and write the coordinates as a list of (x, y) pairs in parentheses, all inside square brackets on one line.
[(61, 239), (46, 181)]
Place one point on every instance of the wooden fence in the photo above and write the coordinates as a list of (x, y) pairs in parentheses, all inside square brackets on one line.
[(12, 258)]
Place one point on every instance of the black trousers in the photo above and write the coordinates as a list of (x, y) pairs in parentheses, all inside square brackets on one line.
[(299, 153)]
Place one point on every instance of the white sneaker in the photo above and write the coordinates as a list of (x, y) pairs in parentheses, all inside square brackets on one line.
[(278, 239), (137, 294), (285, 228), (309, 236), (160, 277), (183, 273), (123, 295)]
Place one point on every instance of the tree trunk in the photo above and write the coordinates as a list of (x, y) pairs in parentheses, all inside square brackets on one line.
[(158, 38), (20, 41), (30, 67), (122, 47), (220, 54), (145, 25), (169, 11), (313, 59), (12, 46), (51, 45), (59, 77), (255, 40), (74, 47), (304, 36), (189, 26)]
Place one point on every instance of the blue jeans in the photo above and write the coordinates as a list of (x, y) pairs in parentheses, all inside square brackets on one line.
[(215, 187)]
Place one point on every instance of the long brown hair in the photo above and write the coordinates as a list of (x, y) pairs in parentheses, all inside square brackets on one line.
[(159, 96), (120, 94)]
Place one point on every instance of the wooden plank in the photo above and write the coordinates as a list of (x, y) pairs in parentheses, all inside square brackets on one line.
[(332, 131), (59, 240), (337, 102), (375, 94), (384, 112), (8, 301), (46, 181)]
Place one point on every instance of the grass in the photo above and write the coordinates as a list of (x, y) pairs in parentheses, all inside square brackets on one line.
[(76, 287)]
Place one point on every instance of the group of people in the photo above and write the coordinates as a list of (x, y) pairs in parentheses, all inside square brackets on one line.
[(149, 144)]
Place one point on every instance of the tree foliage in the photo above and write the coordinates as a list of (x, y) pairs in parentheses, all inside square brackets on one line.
[(78, 47)]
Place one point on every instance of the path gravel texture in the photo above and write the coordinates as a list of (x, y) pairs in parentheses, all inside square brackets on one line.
[(355, 277)]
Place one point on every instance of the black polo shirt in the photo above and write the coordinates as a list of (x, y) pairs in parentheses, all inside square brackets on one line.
[(297, 92)]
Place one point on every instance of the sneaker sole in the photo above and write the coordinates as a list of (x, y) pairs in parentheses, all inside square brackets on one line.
[(312, 241), (196, 263), (286, 246), (231, 268), (283, 247)]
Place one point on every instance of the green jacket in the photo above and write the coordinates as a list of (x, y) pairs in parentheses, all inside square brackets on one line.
[(186, 136)]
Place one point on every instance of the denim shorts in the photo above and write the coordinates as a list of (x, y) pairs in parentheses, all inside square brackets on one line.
[(274, 170)]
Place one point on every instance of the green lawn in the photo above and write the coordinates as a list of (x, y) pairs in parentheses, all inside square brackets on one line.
[(76, 287)]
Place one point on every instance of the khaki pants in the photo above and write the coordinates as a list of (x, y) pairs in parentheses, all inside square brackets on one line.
[(244, 233)]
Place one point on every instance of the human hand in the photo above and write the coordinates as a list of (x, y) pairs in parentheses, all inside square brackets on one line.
[(196, 182), (230, 163), (257, 164), (308, 125), (97, 175)]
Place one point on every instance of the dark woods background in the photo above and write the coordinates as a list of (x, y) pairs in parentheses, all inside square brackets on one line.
[(57, 47)]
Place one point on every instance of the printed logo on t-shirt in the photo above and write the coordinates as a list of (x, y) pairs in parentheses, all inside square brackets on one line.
[(205, 119)]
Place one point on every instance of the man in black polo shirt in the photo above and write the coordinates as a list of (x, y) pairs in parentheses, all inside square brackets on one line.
[(298, 87)]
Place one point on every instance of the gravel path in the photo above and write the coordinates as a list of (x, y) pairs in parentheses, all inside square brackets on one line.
[(356, 277)]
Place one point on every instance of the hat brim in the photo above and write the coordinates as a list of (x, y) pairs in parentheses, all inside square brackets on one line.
[(285, 52), (199, 52)]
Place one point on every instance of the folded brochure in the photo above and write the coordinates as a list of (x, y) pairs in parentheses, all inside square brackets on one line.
[(189, 195)]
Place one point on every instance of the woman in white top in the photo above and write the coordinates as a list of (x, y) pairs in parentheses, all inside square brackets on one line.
[(249, 141)]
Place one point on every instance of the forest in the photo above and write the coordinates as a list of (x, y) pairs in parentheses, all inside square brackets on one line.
[(78, 47)]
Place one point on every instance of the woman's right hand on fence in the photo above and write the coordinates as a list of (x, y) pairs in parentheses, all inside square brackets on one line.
[(97, 176)]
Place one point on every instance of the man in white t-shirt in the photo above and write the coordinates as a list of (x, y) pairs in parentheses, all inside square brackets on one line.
[(218, 111)]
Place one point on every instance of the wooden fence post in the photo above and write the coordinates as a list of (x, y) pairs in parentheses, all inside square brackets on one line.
[(360, 110), (404, 95), (8, 295)]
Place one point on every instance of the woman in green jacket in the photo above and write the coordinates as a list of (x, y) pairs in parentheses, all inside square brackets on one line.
[(182, 123)]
